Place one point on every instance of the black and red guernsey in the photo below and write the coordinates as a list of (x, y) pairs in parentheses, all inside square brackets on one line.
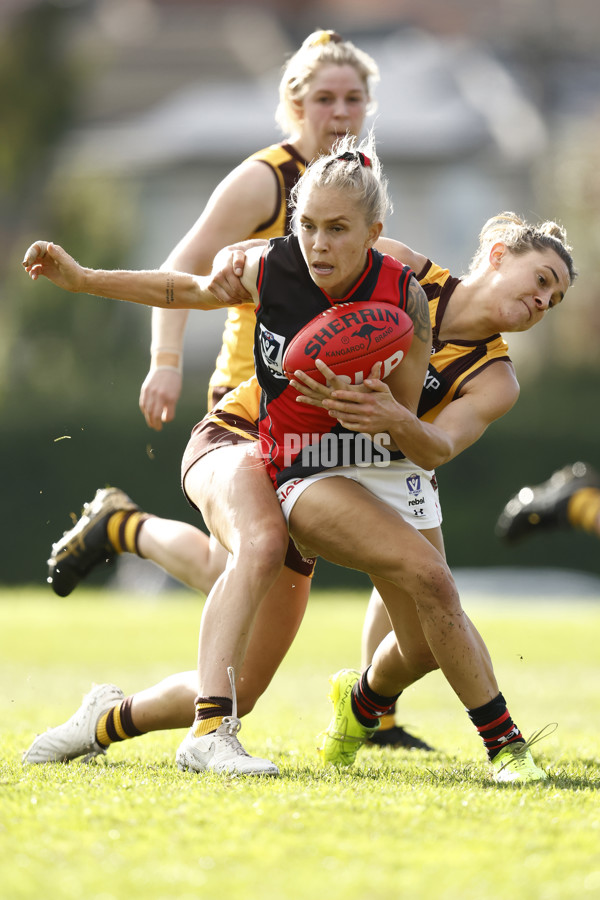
[(292, 434)]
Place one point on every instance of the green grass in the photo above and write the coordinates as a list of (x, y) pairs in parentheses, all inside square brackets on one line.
[(424, 826)]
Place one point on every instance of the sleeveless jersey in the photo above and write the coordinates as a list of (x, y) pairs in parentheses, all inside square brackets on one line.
[(300, 440), (453, 363), (235, 362)]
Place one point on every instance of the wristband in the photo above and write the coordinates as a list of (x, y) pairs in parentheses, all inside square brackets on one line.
[(156, 348), (166, 358), (167, 369)]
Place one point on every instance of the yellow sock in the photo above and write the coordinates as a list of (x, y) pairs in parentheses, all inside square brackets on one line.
[(116, 724), (123, 529), (388, 721), (210, 712), (583, 510)]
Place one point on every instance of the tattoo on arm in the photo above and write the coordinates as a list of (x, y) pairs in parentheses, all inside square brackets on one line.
[(170, 291), (417, 308)]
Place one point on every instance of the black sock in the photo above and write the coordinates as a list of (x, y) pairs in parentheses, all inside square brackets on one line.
[(367, 706), (495, 725)]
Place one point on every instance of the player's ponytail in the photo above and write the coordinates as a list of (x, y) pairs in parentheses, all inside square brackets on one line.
[(351, 167), (521, 237)]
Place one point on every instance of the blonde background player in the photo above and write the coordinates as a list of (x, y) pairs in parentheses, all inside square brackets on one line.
[(512, 284)]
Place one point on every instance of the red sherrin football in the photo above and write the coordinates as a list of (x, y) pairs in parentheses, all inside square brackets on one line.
[(350, 338)]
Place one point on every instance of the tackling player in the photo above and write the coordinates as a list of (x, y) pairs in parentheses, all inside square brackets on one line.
[(513, 282)]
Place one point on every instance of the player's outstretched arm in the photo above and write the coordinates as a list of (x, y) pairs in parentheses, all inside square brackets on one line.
[(168, 290), (485, 398), (55, 264)]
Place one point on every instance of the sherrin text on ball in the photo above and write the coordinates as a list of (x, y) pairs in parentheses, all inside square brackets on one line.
[(350, 338)]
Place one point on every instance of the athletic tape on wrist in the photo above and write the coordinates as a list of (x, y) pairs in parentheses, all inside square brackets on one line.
[(177, 369), (154, 349), (173, 356)]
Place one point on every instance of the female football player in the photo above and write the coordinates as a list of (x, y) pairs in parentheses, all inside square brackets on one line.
[(326, 90), (340, 205)]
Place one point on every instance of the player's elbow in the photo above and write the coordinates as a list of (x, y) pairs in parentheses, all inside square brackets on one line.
[(434, 456)]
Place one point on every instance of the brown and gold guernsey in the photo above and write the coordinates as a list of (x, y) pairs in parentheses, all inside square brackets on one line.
[(453, 363), (235, 362)]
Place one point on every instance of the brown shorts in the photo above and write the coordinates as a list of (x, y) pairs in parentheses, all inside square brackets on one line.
[(211, 434)]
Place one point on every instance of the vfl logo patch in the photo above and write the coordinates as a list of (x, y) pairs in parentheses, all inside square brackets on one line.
[(271, 351), (413, 483), (416, 502), (366, 332)]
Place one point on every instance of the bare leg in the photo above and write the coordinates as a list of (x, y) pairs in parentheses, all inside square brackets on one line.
[(377, 623), (324, 518), (170, 703), (184, 551), (401, 658), (376, 626), (276, 624), (232, 489)]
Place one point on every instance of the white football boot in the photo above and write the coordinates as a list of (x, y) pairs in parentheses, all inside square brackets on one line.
[(221, 751), (77, 736)]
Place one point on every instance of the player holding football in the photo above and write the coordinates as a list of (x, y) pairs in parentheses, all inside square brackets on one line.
[(514, 285), (326, 89)]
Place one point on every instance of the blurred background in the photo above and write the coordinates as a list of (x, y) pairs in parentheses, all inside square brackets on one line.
[(119, 117)]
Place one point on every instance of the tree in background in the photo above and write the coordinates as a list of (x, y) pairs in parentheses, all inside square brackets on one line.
[(47, 344)]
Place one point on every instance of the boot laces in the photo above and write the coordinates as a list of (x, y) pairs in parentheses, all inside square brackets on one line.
[(231, 724), (519, 748)]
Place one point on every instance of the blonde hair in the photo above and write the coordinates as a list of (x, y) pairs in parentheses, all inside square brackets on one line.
[(350, 167), (320, 48), (522, 237)]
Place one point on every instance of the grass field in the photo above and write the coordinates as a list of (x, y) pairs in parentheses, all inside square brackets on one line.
[(398, 825)]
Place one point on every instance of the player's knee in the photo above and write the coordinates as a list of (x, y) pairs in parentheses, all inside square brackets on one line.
[(270, 552), (265, 550), (436, 587)]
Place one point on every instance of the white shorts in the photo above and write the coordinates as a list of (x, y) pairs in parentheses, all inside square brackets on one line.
[(411, 491)]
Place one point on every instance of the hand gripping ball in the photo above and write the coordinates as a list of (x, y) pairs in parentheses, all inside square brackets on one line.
[(350, 338)]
